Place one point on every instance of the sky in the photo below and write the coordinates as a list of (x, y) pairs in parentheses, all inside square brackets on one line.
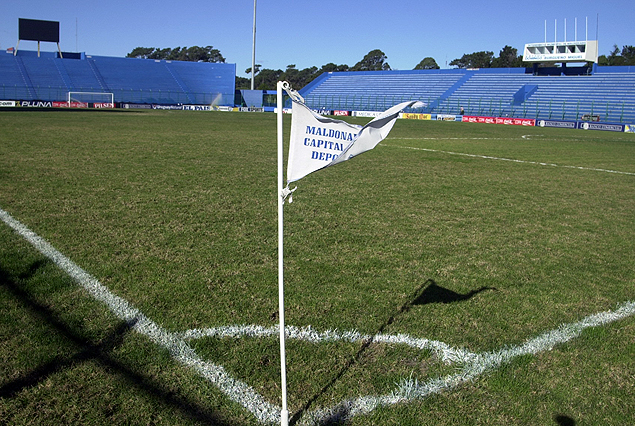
[(309, 33)]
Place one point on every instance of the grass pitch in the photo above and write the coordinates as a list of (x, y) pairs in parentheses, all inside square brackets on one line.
[(176, 213)]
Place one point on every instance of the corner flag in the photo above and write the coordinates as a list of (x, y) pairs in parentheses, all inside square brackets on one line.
[(318, 142)]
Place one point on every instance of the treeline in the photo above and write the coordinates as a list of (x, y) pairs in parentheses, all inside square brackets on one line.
[(375, 60), (616, 58), (190, 54), (509, 58), (266, 79)]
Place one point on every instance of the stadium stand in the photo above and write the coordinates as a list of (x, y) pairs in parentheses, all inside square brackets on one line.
[(49, 78), (368, 90), (604, 93), (608, 93)]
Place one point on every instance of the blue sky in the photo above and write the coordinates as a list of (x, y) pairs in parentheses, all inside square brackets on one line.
[(313, 33)]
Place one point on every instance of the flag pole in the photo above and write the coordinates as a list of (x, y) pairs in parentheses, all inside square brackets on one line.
[(284, 413)]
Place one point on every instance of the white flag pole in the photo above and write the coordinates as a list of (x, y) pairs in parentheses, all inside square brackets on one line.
[(284, 414)]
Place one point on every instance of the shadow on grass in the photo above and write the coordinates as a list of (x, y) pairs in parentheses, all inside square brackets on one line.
[(434, 293), (564, 420), (428, 292), (89, 351)]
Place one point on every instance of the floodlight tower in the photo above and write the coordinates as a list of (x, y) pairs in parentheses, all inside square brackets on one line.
[(253, 51)]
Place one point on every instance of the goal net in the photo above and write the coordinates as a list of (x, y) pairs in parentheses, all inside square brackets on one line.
[(84, 99)]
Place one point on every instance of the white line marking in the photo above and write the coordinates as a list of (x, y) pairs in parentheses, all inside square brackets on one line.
[(487, 157), (236, 390), (473, 365), (445, 352), (409, 390)]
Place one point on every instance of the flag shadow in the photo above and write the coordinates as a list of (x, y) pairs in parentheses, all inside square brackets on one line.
[(434, 293), (426, 293)]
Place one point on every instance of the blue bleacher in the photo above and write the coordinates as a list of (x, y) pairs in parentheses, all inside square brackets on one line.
[(609, 92), (82, 77), (377, 90), (207, 78), (50, 78), (45, 78), (12, 80)]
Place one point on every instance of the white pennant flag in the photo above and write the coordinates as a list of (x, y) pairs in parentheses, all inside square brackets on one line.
[(318, 141)]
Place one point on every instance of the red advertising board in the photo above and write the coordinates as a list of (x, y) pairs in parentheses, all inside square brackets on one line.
[(499, 120), (72, 105), (515, 121), (103, 105), (339, 112), (525, 121)]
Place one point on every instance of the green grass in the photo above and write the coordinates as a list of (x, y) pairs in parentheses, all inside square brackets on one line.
[(176, 213)]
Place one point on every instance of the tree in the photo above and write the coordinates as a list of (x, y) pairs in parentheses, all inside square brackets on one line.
[(300, 78), (141, 52), (256, 67), (191, 54), (508, 58), (624, 57), (267, 79), (331, 67), (243, 83), (427, 64), (628, 53), (481, 59), (614, 57), (375, 60)]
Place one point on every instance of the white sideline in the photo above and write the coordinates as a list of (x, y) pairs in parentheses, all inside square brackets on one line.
[(236, 390), (487, 157), (471, 365)]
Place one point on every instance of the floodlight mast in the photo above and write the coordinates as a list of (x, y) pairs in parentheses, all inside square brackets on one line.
[(253, 51)]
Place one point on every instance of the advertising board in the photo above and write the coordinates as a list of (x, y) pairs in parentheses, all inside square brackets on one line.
[(557, 123), (197, 107), (414, 116), (446, 117), (511, 121), (136, 106), (166, 107), (587, 125), (372, 114), (34, 104)]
